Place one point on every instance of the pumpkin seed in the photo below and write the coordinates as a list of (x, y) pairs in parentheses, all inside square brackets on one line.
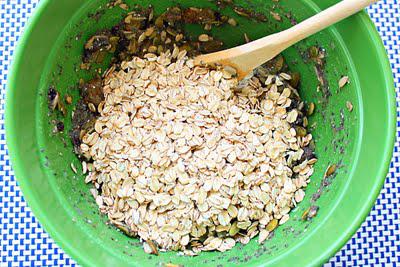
[(149, 31), (178, 37), (311, 108), (159, 22), (312, 161), (152, 49), (300, 131), (330, 170), (272, 225), (141, 38), (92, 107), (313, 52), (305, 122), (234, 229)]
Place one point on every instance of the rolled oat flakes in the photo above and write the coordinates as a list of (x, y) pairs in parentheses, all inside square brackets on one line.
[(186, 161)]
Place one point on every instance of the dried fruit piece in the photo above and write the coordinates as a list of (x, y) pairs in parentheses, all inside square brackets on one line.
[(92, 91), (53, 97)]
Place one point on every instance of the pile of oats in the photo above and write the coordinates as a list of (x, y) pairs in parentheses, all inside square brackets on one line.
[(186, 161)]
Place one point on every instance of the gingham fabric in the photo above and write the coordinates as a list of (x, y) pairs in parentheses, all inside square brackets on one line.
[(23, 242)]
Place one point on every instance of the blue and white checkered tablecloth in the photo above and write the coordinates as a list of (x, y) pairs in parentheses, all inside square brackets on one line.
[(23, 242)]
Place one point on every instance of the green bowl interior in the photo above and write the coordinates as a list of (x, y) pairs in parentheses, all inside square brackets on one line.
[(359, 142)]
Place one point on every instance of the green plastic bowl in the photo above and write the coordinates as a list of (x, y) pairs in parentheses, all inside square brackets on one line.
[(359, 142)]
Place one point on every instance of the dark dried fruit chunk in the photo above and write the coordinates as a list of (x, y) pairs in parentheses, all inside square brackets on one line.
[(294, 82), (194, 15), (60, 126), (92, 91), (53, 97), (275, 65), (96, 48), (211, 46), (173, 14), (307, 154), (97, 42), (82, 120)]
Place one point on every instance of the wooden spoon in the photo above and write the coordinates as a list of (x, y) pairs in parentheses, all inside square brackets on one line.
[(247, 57)]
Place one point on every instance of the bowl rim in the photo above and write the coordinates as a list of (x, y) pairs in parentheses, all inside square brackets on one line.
[(40, 214)]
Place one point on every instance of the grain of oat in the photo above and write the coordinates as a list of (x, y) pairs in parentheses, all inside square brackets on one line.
[(73, 168), (349, 106), (343, 81)]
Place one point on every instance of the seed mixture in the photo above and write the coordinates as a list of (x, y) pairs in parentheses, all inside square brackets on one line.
[(182, 156)]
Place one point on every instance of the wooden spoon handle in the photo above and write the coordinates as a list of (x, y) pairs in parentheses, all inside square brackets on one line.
[(247, 57), (323, 20)]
